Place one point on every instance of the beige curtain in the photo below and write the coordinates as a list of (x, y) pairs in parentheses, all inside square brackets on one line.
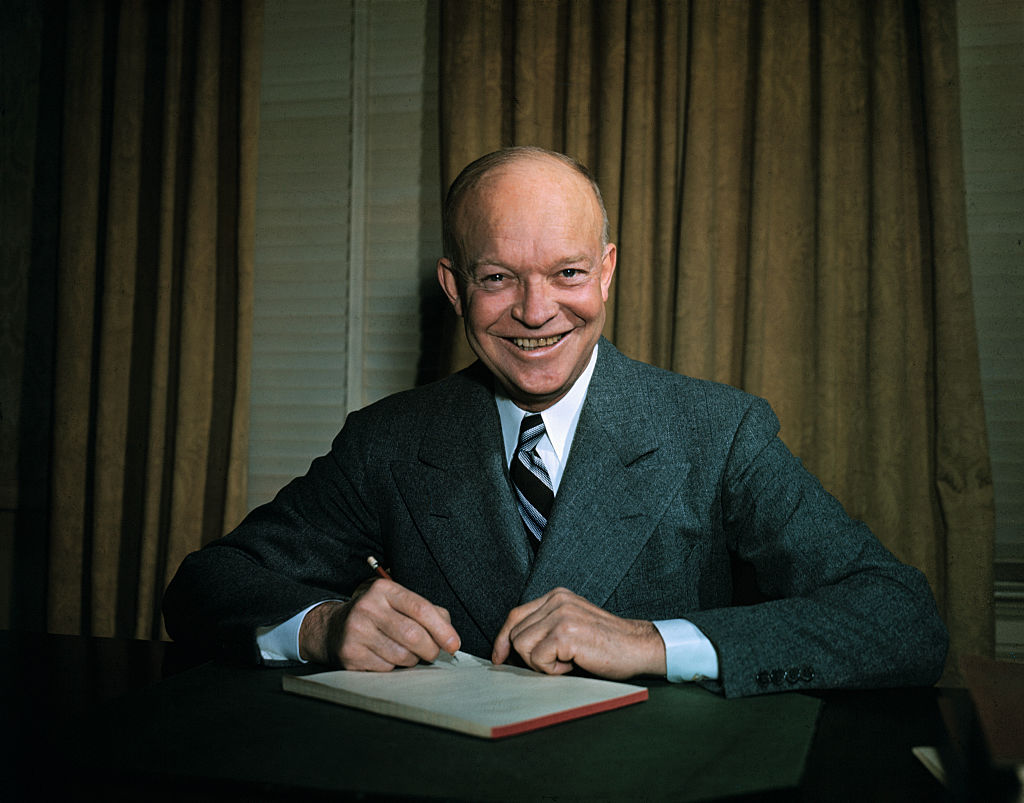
[(153, 301), (785, 180)]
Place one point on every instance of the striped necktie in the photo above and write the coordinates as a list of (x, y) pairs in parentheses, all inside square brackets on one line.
[(533, 485)]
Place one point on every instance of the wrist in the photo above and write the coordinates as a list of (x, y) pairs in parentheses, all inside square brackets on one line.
[(315, 632), (654, 650)]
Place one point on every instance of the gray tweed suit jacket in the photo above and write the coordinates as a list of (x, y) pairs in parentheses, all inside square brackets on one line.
[(669, 481)]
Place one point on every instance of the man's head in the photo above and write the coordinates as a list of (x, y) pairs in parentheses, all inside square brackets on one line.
[(528, 266)]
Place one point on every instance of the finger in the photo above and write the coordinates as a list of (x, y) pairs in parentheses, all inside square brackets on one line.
[(557, 633), (380, 630), (525, 616), (361, 644), (503, 641), (383, 655), (417, 624), (546, 641), (536, 611)]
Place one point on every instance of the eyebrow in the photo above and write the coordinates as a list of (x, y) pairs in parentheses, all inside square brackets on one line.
[(496, 263)]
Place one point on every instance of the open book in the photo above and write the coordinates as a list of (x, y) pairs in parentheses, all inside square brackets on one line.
[(469, 694)]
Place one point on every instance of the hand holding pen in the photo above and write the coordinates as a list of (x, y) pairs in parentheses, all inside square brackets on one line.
[(383, 626), (381, 571)]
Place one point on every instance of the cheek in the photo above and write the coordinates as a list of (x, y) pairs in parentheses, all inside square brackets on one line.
[(590, 308), (482, 310)]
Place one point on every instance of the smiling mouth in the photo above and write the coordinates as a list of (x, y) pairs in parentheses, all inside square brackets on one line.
[(531, 343)]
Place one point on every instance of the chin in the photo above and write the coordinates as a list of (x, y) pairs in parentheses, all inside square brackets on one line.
[(535, 394)]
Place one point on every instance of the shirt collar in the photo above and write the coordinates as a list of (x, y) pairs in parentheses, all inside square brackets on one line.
[(560, 418)]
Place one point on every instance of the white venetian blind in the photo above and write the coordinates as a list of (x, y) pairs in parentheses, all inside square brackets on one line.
[(403, 203), (347, 220)]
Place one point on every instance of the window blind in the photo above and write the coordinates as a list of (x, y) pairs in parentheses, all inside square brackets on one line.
[(347, 214)]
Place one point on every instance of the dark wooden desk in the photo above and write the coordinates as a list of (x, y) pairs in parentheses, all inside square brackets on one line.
[(106, 719)]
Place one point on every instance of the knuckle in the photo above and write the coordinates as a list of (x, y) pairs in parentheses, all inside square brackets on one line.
[(361, 606), (406, 659), (562, 596), (409, 632), (419, 609), (431, 651), (350, 657), (356, 627)]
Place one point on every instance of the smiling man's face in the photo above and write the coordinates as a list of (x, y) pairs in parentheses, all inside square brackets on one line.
[(538, 277)]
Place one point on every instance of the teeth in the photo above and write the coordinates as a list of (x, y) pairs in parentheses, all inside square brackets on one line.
[(535, 342)]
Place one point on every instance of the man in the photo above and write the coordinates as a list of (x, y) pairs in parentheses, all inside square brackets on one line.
[(599, 536)]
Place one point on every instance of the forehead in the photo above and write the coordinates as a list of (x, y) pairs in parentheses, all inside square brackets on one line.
[(532, 200)]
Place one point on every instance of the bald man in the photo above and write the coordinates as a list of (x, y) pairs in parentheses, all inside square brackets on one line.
[(557, 503)]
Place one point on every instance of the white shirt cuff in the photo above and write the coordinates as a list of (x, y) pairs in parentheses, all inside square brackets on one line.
[(281, 642), (689, 655)]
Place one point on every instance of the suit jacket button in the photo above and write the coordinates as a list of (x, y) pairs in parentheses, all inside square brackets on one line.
[(807, 674), (778, 676), (764, 677), (792, 675)]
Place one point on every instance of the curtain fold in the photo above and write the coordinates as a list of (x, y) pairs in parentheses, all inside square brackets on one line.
[(784, 182), (153, 301)]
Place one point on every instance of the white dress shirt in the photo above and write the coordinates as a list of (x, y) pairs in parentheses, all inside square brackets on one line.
[(689, 655)]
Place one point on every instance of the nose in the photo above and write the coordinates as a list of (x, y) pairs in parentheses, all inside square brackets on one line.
[(535, 305)]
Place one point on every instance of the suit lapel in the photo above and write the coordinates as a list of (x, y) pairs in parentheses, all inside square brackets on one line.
[(458, 495), (614, 490)]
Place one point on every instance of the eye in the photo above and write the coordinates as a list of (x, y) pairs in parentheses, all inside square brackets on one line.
[(494, 281), (572, 275)]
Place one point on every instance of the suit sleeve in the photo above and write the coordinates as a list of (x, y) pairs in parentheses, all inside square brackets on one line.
[(841, 611), (308, 545)]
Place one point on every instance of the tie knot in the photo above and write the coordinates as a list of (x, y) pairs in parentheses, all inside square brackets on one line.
[(530, 431)]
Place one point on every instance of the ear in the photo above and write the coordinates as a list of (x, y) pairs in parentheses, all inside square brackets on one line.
[(449, 283), (607, 269)]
